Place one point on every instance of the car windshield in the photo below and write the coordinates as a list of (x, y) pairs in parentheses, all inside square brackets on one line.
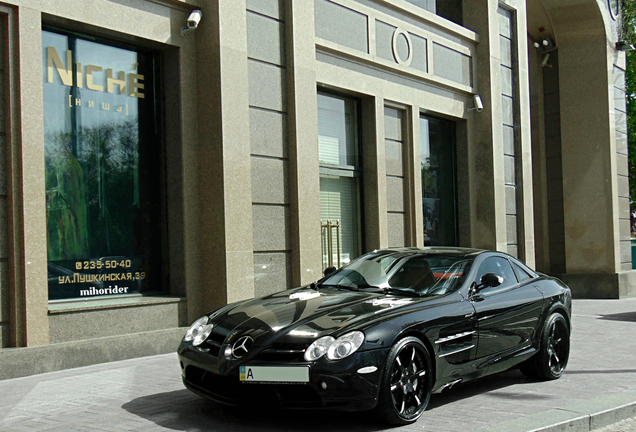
[(403, 273)]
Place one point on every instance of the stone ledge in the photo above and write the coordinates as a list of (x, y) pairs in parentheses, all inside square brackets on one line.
[(71, 306), (24, 361)]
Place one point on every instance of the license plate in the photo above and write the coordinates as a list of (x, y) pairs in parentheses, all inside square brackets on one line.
[(274, 374)]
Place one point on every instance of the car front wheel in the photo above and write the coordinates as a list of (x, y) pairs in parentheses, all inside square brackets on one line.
[(406, 382)]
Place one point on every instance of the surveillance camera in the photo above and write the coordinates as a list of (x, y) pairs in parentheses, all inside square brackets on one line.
[(194, 19), (479, 105), (544, 62), (192, 22)]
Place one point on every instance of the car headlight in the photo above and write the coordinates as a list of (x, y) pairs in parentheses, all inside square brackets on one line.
[(199, 331), (345, 345), (319, 348), (335, 349)]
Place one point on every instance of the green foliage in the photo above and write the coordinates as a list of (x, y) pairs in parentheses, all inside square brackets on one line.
[(628, 33), (92, 194)]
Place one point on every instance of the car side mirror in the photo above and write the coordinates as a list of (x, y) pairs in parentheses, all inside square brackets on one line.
[(489, 280), (329, 270)]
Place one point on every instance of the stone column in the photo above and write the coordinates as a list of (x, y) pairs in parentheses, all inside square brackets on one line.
[(590, 177), (486, 152), (376, 230), (525, 199), (224, 184), (303, 143), (28, 256), (589, 169)]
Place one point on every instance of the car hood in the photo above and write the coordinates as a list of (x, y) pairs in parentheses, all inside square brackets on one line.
[(304, 313)]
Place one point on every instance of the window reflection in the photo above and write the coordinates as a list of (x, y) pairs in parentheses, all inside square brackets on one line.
[(449, 9), (438, 181), (340, 173), (103, 168)]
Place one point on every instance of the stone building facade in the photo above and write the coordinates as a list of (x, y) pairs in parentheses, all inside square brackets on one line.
[(152, 172)]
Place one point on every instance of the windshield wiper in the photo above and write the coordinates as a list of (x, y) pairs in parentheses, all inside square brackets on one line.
[(379, 290), (372, 288), (398, 291), (404, 292), (346, 287)]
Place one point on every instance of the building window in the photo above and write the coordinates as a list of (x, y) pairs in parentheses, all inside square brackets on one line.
[(510, 112), (340, 176), (439, 192), (449, 9), (103, 167)]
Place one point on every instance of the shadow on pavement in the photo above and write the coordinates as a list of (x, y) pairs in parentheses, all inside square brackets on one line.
[(625, 316), (481, 386), (184, 411)]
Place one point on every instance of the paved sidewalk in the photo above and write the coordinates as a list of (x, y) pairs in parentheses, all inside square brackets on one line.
[(146, 394)]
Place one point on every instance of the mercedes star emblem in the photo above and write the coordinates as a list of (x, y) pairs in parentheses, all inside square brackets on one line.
[(242, 346)]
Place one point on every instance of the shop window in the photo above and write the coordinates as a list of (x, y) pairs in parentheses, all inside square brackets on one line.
[(439, 192), (340, 175), (103, 167)]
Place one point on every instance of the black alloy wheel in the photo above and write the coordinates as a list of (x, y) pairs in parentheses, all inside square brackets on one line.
[(558, 347), (406, 382), (551, 360)]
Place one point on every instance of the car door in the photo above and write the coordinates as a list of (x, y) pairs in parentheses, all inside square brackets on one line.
[(457, 340), (507, 315), (454, 338)]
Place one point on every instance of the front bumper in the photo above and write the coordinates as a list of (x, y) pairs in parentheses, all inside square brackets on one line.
[(332, 384)]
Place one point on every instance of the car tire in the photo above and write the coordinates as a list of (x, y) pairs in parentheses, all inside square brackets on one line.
[(552, 358), (406, 382)]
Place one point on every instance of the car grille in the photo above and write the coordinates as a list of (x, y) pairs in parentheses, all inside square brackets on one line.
[(231, 390), (282, 353), (276, 353)]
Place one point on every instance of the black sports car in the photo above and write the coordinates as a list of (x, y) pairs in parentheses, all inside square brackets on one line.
[(385, 331)]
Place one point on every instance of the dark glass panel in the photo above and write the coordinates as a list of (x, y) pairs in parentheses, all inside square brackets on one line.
[(103, 167), (438, 181)]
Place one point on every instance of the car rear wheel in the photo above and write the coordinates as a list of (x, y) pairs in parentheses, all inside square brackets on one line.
[(549, 363), (406, 382)]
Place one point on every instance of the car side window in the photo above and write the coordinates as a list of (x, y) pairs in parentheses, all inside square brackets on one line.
[(499, 266), (522, 274)]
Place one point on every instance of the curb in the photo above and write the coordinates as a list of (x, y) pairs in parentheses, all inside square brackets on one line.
[(580, 417)]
